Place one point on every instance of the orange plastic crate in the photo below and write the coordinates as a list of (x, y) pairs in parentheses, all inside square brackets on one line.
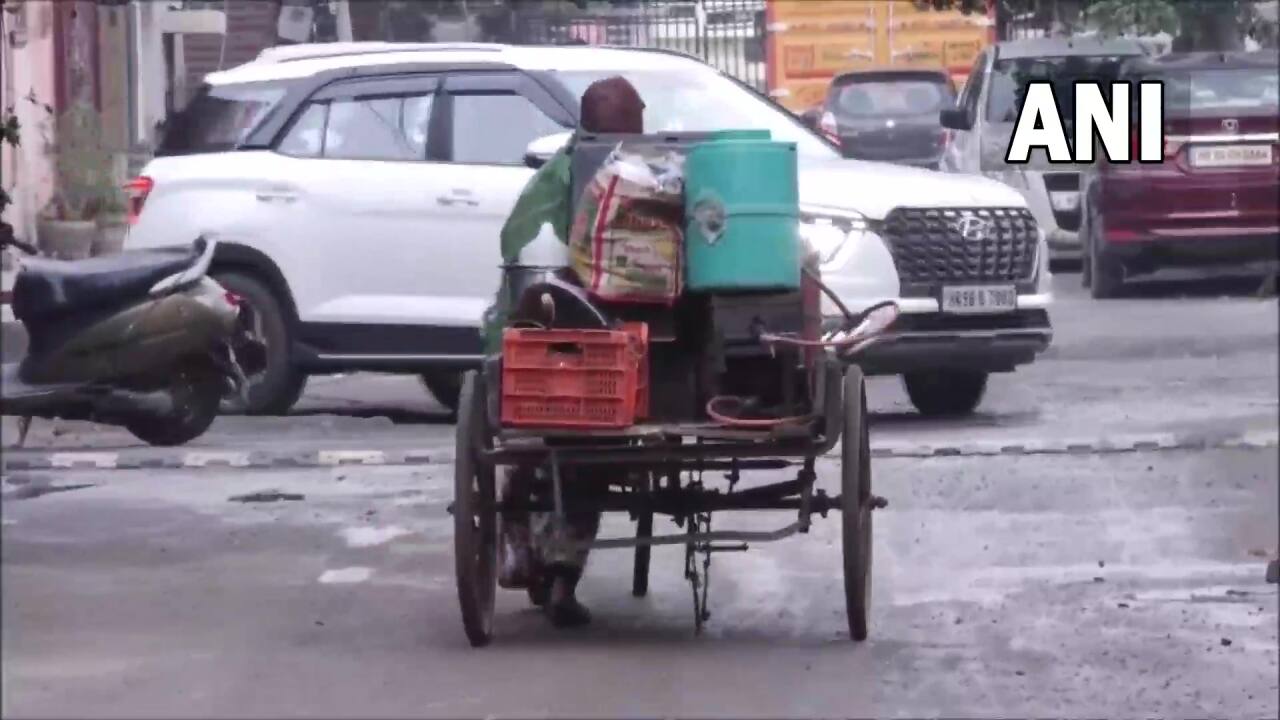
[(575, 378)]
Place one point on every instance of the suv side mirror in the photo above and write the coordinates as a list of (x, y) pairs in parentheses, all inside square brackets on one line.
[(955, 119), (540, 151)]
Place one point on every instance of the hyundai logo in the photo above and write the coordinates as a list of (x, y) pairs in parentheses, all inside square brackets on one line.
[(1230, 124), (971, 228)]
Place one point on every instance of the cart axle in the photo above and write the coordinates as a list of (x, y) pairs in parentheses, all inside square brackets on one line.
[(740, 536)]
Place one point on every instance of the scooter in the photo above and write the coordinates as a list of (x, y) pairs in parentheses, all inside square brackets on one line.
[(141, 339)]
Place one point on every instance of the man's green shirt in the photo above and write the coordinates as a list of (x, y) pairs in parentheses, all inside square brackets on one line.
[(545, 199)]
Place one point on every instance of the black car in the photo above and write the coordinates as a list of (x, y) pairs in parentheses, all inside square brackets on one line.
[(887, 115)]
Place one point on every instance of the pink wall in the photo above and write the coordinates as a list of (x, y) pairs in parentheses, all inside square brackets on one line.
[(29, 70)]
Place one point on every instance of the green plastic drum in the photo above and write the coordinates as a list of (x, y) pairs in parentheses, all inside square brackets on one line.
[(742, 215)]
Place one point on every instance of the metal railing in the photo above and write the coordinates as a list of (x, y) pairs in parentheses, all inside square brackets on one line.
[(727, 34)]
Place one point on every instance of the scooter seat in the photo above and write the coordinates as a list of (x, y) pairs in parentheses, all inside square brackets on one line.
[(46, 289)]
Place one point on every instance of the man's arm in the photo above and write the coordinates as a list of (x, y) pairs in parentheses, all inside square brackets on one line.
[(544, 199)]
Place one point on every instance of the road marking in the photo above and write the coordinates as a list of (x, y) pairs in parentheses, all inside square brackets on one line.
[(211, 459), (31, 459), (347, 575), (352, 457), (74, 460)]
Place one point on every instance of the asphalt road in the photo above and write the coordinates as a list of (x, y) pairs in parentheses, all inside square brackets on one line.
[(1076, 583), (1128, 585)]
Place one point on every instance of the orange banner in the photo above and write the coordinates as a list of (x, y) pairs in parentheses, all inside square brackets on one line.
[(811, 41)]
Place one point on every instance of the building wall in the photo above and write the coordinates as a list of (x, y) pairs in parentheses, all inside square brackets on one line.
[(251, 28), (29, 72)]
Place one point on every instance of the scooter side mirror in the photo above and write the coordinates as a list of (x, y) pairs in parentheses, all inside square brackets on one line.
[(538, 152)]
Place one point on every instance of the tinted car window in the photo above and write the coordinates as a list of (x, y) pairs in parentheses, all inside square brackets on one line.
[(1237, 90), (496, 128), (218, 118), (391, 128), (1010, 78), (881, 98), (305, 137)]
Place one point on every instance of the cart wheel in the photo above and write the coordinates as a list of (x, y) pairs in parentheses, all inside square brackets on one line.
[(475, 522), (855, 490), (640, 574)]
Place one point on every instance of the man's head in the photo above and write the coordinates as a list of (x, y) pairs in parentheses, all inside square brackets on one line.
[(612, 105)]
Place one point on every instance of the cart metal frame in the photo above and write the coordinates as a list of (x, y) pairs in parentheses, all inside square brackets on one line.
[(668, 452)]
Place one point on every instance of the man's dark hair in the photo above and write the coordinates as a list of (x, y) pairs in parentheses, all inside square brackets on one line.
[(612, 105)]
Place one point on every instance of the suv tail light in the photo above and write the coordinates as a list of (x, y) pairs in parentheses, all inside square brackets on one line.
[(138, 189), (829, 127)]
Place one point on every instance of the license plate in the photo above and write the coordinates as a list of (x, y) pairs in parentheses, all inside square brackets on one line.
[(979, 299), (1209, 156)]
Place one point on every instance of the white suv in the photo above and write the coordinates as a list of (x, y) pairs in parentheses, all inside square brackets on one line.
[(358, 191)]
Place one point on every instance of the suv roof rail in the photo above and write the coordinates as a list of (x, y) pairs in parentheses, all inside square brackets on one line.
[(309, 51), (632, 48)]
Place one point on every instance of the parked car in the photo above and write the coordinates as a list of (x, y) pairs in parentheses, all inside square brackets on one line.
[(359, 193), (987, 111), (889, 115), (1215, 198)]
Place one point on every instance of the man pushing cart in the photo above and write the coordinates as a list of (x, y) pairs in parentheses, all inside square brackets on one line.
[(681, 342)]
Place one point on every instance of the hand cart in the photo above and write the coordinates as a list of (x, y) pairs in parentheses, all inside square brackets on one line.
[(738, 345), (666, 463)]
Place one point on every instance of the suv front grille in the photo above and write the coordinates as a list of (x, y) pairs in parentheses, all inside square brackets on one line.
[(930, 247)]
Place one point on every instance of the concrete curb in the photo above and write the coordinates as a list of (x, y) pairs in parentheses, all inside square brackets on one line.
[(152, 458)]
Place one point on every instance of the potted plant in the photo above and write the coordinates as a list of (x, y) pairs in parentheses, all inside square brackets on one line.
[(67, 227)]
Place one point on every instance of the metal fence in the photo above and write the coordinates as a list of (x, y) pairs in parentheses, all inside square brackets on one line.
[(727, 34)]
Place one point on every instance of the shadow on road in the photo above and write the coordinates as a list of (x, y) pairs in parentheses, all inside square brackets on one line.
[(1189, 284), (1161, 288)]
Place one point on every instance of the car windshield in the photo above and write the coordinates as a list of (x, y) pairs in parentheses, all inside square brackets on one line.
[(702, 100), (1010, 78), (1208, 92), (890, 97)]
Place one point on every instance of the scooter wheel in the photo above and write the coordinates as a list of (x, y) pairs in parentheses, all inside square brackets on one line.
[(197, 392)]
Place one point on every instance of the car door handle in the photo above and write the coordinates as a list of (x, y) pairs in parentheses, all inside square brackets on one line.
[(457, 196), (276, 195)]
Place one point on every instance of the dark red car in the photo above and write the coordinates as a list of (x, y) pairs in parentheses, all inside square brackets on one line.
[(1215, 198)]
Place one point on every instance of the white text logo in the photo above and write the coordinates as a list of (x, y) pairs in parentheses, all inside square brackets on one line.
[(1122, 137)]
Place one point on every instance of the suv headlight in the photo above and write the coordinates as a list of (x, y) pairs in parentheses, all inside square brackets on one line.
[(827, 231)]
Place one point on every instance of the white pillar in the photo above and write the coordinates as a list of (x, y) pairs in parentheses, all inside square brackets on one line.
[(343, 12)]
